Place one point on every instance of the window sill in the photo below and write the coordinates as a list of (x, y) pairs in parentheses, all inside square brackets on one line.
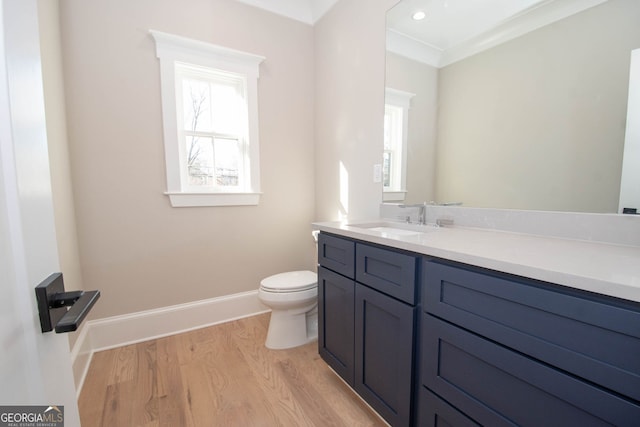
[(183, 200), (390, 195)]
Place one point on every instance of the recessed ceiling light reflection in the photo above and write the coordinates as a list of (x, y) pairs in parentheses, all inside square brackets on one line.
[(419, 15)]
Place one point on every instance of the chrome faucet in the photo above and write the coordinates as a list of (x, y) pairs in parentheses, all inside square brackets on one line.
[(422, 213)]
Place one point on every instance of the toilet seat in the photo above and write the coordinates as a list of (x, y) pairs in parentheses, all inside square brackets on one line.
[(292, 281)]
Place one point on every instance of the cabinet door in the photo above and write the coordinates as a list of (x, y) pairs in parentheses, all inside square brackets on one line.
[(435, 412), (384, 354), (335, 322)]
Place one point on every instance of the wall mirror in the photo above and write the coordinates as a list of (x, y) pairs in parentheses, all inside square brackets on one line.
[(515, 104)]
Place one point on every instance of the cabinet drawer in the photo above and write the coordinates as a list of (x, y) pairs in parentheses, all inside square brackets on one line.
[(594, 338), (336, 254), (499, 387), (435, 412), (388, 271)]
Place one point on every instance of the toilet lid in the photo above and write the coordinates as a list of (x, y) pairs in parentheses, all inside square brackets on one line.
[(290, 281)]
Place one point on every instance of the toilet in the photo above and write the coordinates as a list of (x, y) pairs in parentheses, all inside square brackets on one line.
[(293, 300)]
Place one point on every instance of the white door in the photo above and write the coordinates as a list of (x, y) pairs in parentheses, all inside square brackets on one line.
[(35, 368)]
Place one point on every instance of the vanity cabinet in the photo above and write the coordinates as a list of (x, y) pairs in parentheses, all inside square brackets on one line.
[(502, 350), (336, 304), (367, 319), (387, 290), (432, 342)]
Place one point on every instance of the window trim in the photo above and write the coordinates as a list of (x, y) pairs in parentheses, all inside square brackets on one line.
[(171, 49)]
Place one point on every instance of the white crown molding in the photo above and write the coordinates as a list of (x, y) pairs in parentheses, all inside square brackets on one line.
[(306, 11), (320, 7), (411, 48), (523, 23)]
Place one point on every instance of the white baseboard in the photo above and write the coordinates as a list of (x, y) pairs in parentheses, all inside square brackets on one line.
[(117, 331), (81, 354)]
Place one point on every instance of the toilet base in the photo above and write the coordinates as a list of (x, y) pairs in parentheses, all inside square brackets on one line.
[(291, 328)]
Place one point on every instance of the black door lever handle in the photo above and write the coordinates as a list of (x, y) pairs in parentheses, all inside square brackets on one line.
[(77, 312), (60, 310)]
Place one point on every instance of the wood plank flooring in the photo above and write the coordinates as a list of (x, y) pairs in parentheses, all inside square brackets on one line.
[(217, 376)]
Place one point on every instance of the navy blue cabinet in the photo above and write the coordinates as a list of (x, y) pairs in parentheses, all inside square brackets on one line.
[(431, 342), (390, 272), (367, 320), (336, 295), (337, 254), (438, 413), (505, 350), (496, 386), (384, 349)]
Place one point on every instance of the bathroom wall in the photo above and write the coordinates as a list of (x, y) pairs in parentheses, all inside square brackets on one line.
[(421, 80), (350, 62), (483, 137), (140, 252)]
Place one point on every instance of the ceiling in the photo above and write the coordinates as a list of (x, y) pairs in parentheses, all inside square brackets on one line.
[(450, 22), (455, 29), (452, 29), (307, 11)]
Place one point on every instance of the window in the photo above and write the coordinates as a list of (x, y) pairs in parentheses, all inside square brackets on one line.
[(394, 161), (212, 128), (392, 156), (210, 117)]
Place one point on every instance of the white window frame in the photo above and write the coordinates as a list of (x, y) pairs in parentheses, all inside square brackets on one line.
[(171, 49), (398, 188)]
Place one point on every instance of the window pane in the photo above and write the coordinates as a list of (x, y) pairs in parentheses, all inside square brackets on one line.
[(386, 169), (196, 99), (393, 117), (229, 116), (227, 161), (199, 161), (387, 130)]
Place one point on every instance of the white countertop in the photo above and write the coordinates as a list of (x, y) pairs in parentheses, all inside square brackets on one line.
[(606, 269)]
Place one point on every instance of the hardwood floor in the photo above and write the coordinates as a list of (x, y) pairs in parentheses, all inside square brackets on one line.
[(217, 376)]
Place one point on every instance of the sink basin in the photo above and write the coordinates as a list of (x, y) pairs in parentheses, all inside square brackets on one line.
[(393, 229)]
